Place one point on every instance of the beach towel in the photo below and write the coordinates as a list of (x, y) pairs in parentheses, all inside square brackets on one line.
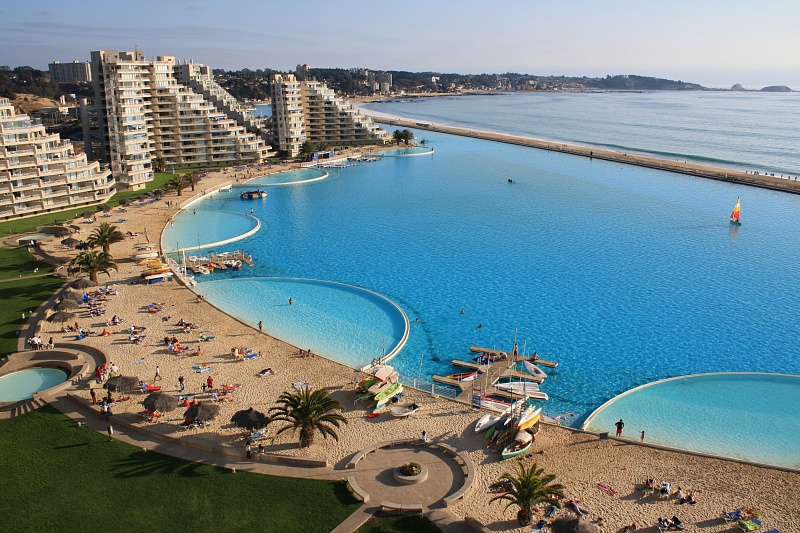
[(301, 385), (140, 361), (607, 489), (201, 368)]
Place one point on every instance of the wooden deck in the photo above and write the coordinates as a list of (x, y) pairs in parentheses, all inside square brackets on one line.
[(478, 349)]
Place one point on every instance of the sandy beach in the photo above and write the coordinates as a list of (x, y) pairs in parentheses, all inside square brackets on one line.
[(580, 460)]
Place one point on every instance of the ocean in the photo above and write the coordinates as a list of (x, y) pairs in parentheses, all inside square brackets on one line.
[(742, 130)]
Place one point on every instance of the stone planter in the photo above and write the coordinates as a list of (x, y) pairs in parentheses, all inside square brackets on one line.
[(411, 480)]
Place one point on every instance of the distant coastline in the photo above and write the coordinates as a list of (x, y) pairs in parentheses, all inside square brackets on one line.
[(691, 169)]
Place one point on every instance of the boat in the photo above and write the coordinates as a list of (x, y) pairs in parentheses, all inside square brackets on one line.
[(200, 269), (253, 195), (379, 387), (464, 376), (529, 418), (735, 213), (485, 422), (384, 396), (493, 404), (518, 387), (145, 246), (145, 255), (533, 370), (485, 359), (402, 411), (522, 443), (382, 372), (158, 276), (532, 422)]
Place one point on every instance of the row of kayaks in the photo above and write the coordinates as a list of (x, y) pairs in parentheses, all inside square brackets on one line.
[(382, 386), (515, 428)]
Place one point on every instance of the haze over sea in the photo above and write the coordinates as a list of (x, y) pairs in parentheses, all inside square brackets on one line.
[(744, 130), (624, 275)]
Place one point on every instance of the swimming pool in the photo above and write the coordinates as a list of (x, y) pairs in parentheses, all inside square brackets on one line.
[(34, 237), (23, 384), (290, 177), (192, 231), (751, 416)]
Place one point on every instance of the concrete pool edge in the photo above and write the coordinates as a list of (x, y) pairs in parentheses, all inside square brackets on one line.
[(253, 231), (301, 182), (390, 355)]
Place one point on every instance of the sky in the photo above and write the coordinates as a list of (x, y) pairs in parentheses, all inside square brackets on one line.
[(714, 43)]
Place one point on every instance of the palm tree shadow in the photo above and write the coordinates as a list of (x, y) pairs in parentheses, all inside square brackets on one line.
[(142, 464)]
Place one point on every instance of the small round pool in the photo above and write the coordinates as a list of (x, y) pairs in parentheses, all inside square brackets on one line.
[(750, 416), (24, 384), (34, 237)]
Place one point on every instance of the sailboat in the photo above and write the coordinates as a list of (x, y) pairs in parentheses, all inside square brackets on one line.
[(735, 213)]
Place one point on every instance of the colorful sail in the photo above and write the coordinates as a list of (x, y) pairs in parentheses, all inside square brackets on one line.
[(735, 212)]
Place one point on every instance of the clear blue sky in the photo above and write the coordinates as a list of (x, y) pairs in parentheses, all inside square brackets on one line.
[(715, 43)]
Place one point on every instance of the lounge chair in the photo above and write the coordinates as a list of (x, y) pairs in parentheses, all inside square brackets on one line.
[(260, 434), (731, 516), (748, 525)]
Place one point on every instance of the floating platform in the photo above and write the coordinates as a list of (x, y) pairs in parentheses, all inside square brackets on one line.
[(478, 349), (453, 383), (467, 364)]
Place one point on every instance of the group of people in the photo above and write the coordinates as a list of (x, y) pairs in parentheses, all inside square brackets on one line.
[(106, 371), (36, 343), (669, 523)]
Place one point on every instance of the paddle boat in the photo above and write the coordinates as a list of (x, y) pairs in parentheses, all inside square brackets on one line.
[(485, 422), (254, 195), (522, 443)]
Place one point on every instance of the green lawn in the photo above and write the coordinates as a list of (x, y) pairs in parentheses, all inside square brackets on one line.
[(399, 524), (18, 296), (60, 477), (16, 262)]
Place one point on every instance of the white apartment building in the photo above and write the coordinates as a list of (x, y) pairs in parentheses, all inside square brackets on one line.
[(40, 172), (309, 110), (144, 112)]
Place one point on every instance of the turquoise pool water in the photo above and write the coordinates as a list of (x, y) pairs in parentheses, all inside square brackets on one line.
[(25, 383), (623, 275), (344, 323), (34, 236), (284, 178), (208, 226), (408, 150), (746, 416)]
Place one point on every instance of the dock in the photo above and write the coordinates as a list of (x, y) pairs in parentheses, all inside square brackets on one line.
[(478, 349), (473, 366), (219, 260), (447, 381), (536, 395), (511, 373)]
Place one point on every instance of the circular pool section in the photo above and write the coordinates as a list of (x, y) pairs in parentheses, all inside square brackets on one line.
[(191, 231), (344, 323), (289, 177), (409, 150), (23, 384), (750, 416)]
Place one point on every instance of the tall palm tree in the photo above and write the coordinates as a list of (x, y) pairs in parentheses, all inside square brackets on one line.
[(104, 236), (92, 263), (527, 489), (159, 164), (408, 136), (192, 178), (307, 150), (397, 136), (308, 412)]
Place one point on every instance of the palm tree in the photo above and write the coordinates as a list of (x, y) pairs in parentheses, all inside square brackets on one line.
[(104, 236), (407, 136), (192, 178), (397, 136), (527, 489), (159, 164), (308, 412), (92, 263), (178, 183), (307, 150)]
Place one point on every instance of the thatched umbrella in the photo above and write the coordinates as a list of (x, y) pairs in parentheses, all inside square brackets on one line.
[(122, 384), (158, 401), (567, 524), (202, 411), (61, 316), (72, 296), (84, 283), (124, 202), (87, 214), (250, 419), (69, 241), (62, 232), (106, 208), (65, 305)]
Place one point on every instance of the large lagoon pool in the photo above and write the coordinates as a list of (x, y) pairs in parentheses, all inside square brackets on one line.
[(23, 384), (623, 275), (746, 416)]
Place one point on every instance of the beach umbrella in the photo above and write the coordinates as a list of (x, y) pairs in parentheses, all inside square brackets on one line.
[(122, 384), (73, 297), (158, 401), (106, 208), (87, 214), (61, 316), (62, 232), (250, 419), (84, 283), (69, 241), (124, 202), (65, 305), (569, 524), (202, 411)]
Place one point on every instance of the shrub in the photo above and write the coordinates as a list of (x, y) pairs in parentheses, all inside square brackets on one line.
[(411, 469)]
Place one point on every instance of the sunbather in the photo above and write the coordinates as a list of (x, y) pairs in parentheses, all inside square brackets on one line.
[(573, 504), (676, 522), (265, 372)]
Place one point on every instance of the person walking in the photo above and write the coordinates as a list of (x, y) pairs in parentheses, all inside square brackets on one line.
[(642, 436), (424, 436), (260, 327), (181, 382), (247, 448), (94, 396), (619, 426), (158, 374)]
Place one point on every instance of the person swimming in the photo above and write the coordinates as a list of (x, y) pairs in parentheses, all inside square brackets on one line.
[(479, 327)]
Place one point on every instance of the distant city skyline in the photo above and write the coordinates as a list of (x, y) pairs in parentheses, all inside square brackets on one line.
[(713, 43)]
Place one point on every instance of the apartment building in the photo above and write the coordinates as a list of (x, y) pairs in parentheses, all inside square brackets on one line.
[(79, 71), (310, 111), (144, 112), (40, 172)]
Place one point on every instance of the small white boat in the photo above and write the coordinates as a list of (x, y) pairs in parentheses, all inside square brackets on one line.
[(145, 246), (200, 269), (145, 255), (485, 422), (383, 372), (379, 387), (161, 275), (518, 387), (402, 411), (527, 416), (534, 370)]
